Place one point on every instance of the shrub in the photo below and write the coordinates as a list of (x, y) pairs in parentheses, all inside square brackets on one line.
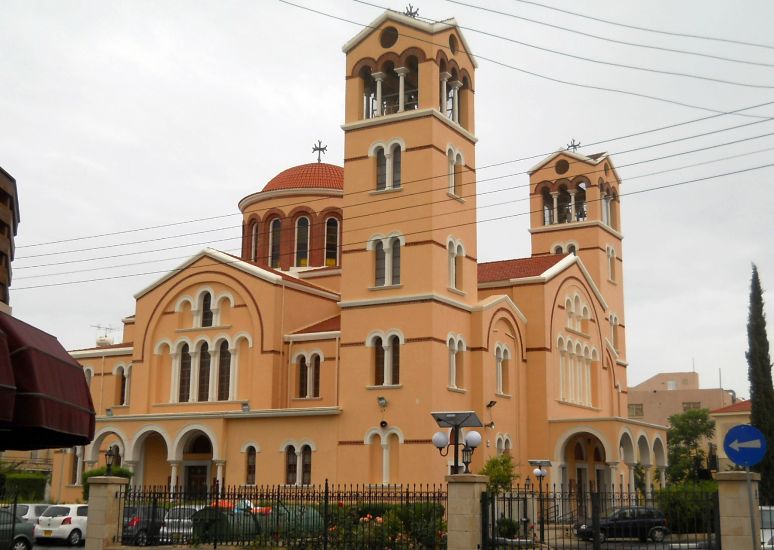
[(507, 527), (689, 507), (116, 471), (27, 485), (499, 469)]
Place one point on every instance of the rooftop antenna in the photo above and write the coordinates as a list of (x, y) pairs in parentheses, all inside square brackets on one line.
[(104, 339)]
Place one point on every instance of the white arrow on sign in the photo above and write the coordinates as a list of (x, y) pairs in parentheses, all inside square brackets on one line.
[(752, 444)]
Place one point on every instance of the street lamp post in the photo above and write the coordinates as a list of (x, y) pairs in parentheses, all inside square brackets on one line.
[(539, 472), (455, 421), (109, 461)]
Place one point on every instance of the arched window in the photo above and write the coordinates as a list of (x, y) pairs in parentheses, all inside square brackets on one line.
[(88, 375), (564, 208), (611, 263), (395, 255), (332, 242), (381, 169), (456, 255), (450, 164), (306, 465), (558, 250), (224, 372), (250, 470), (121, 386), (572, 250), (303, 377), (458, 175), (275, 234), (396, 166), (456, 363), (395, 356), (548, 206), (184, 386), (502, 365), (614, 331), (380, 261), (254, 241), (204, 373), (291, 465), (378, 362), (315, 376), (207, 315), (302, 242)]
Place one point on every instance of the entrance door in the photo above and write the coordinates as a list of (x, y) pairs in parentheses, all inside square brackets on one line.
[(196, 480)]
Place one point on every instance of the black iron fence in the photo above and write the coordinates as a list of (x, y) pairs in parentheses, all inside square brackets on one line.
[(9, 512), (528, 517), (287, 516)]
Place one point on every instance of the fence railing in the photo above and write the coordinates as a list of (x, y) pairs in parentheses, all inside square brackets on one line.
[(288, 516), (527, 517), (9, 512)]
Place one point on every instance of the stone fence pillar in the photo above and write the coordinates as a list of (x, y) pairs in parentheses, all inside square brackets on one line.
[(103, 511), (736, 529), (464, 512)]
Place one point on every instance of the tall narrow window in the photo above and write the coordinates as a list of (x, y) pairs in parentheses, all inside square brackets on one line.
[(303, 377), (184, 386), (224, 372), (548, 207), (291, 465), (611, 264), (378, 362), (315, 376), (88, 375), (120, 386), (395, 351), (396, 162), (379, 279), (502, 356), (204, 373), (450, 165), (254, 241), (381, 169), (302, 242), (274, 242), (74, 467), (306, 465), (250, 477), (395, 246), (332, 242), (207, 315), (458, 175)]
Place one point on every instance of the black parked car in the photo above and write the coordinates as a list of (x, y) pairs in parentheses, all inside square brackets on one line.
[(142, 524), (633, 522)]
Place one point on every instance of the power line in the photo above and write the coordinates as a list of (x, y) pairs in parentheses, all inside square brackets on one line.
[(587, 59), (519, 69), (628, 179), (478, 169), (642, 191), (401, 197), (647, 29), (612, 40)]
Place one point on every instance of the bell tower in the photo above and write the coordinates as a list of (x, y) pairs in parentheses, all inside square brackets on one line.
[(575, 209), (409, 247)]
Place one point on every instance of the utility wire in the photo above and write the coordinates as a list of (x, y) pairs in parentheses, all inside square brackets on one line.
[(502, 203), (582, 58), (519, 69), (236, 260), (647, 29), (478, 169), (403, 196)]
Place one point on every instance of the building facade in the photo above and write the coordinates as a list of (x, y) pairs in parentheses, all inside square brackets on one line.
[(358, 307)]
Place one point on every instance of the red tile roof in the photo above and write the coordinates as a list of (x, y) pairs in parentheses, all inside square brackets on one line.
[(328, 325), (739, 406), (504, 270), (315, 175)]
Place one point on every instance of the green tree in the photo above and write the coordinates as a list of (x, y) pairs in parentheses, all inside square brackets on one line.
[(761, 389), (501, 474), (685, 435)]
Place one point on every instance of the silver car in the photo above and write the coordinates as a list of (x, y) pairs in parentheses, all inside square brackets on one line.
[(27, 512), (178, 525)]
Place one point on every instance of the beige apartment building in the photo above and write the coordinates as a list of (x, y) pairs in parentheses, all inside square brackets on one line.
[(668, 393)]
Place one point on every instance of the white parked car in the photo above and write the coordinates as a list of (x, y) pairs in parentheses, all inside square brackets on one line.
[(63, 521)]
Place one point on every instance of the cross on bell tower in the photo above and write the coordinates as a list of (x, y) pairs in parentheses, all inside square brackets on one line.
[(319, 148)]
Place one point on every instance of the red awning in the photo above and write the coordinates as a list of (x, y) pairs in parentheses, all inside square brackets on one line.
[(51, 403)]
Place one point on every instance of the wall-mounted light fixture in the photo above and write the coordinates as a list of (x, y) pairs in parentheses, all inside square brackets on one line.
[(489, 425), (382, 402), (491, 404)]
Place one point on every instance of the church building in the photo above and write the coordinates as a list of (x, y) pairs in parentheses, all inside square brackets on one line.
[(358, 307)]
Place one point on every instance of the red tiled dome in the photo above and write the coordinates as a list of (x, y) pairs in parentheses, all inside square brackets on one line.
[(315, 175)]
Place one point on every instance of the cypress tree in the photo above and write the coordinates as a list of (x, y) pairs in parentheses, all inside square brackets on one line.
[(761, 388)]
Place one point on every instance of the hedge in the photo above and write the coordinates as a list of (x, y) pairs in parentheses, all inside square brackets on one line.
[(29, 486), (116, 471)]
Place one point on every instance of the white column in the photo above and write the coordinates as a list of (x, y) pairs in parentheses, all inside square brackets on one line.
[(662, 476), (378, 77), (79, 472), (402, 72), (173, 474), (385, 461), (630, 466), (131, 465), (388, 172), (648, 480), (387, 362), (299, 466), (232, 395), (219, 475), (455, 86), (555, 196), (387, 246), (444, 79), (572, 205), (174, 387), (214, 366)]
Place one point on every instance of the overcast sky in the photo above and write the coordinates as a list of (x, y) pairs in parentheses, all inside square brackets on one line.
[(119, 115)]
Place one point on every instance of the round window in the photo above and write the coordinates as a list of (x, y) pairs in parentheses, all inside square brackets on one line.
[(388, 37), (562, 166)]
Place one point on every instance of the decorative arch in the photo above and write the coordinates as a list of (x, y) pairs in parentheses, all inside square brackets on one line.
[(626, 446), (91, 452), (158, 348), (176, 452), (561, 442), (412, 51), (141, 435), (659, 452), (643, 449), (182, 300), (253, 444), (368, 63)]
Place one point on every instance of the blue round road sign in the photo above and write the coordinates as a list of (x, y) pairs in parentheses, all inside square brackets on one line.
[(745, 445)]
